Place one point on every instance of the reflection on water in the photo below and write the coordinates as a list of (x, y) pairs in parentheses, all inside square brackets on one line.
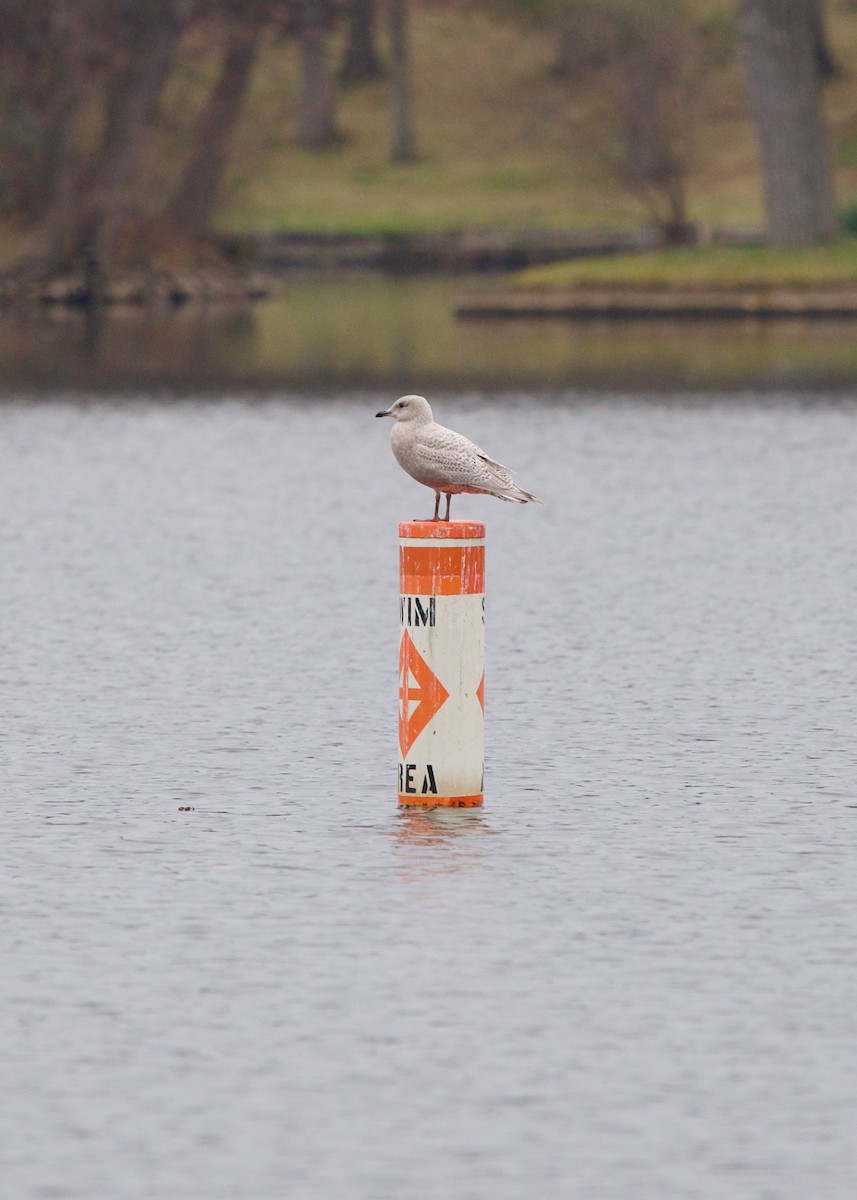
[(401, 334), (434, 825), (438, 826), (437, 842)]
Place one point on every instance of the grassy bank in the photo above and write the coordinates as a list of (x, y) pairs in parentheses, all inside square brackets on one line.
[(502, 141), (714, 267)]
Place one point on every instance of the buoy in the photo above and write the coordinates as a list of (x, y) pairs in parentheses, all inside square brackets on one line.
[(441, 663)]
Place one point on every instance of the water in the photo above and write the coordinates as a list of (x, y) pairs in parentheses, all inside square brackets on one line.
[(373, 332), (233, 972)]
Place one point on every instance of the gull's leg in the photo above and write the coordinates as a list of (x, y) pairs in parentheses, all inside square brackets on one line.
[(436, 516), (448, 500)]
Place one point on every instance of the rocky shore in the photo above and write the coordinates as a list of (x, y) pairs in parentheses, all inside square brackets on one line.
[(137, 287)]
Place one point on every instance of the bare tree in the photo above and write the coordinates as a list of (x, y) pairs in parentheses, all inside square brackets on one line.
[(192, 207), (360, 62), (825, 60), (317, 114), (778, 49), (639, 70), (586, 37), (404, 140), (87, 225), (46, 48), (82, 83), (658, 104)]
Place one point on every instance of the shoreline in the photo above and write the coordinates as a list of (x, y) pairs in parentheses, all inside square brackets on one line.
[(135, 288), (578, 274), (256, 266), (674, 302)]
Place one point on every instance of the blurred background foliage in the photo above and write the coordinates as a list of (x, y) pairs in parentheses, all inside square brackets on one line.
[(143, 131)]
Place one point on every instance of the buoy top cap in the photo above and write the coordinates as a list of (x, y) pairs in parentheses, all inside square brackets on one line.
[(441, 529)]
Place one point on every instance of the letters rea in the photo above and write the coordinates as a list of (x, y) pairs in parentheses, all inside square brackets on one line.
[(408, 784)]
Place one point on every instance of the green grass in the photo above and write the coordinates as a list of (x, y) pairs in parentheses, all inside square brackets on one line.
[(704, 266), (502, 142)]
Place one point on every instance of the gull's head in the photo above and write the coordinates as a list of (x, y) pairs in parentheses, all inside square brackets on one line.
[(409, 408)]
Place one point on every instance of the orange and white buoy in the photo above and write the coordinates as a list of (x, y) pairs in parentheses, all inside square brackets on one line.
[(441, 663)]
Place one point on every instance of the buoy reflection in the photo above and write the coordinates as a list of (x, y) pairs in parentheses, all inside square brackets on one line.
[(434, 826)]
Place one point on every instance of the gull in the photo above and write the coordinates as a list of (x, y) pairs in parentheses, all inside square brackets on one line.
[(446, 461)]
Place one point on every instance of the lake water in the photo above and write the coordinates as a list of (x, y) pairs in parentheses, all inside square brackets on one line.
[(232, 971), (376, 332)]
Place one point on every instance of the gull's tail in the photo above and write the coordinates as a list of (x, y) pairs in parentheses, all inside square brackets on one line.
[(504, 488), (518, 496)]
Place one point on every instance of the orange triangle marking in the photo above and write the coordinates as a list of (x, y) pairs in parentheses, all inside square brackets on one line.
[(480, 692), (417, 704)]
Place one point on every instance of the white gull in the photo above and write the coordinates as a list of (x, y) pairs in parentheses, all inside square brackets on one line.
[(446, 461)]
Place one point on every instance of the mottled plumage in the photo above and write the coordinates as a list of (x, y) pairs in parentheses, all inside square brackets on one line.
[(445, 461)]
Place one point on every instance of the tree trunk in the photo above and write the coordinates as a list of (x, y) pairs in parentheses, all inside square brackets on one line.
[(360, 61), (191, 210), (777, 46), (404, 142), (585, 40), (52, 167), (644, 137), (317, 114), (93, 219), (825, 62), (658, 120), (56, 170)]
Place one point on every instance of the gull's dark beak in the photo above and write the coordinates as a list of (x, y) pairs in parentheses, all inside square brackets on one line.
[(383, 414)]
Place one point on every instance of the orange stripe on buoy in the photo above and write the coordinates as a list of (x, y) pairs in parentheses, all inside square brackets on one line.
[(442, 570), (441, 529), (440, 801)]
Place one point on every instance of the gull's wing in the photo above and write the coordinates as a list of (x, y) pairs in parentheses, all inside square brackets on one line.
[(460, 460), (492, 462)]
